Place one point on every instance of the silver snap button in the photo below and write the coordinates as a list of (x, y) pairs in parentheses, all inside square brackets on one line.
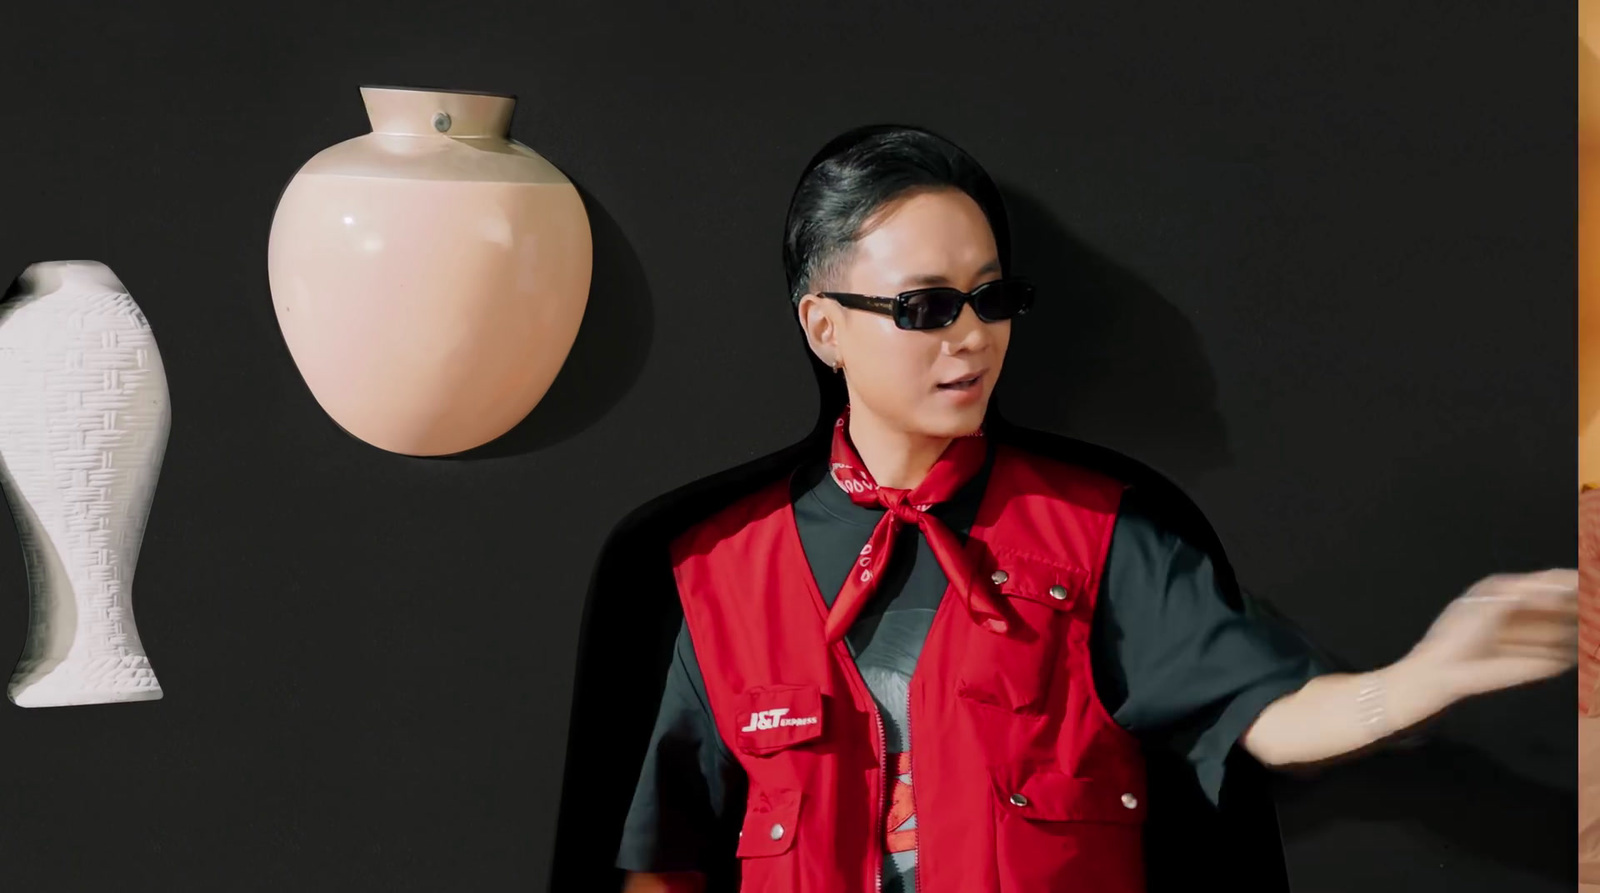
[(1018, 800), (999, 577), (1130, 801), (441, 122), (1059, 593), (777, 832)]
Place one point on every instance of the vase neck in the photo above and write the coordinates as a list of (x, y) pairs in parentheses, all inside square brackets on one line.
[(79, 275), (407, 112)]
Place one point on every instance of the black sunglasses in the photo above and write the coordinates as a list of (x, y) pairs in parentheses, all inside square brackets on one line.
[(935, 308)]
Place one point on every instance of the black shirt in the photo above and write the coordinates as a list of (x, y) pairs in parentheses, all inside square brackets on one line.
[(1173, 662)]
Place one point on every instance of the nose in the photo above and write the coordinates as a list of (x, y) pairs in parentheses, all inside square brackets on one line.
[(968, 334)]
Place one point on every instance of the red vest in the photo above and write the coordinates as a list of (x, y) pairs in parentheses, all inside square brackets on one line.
[(1022, 781)]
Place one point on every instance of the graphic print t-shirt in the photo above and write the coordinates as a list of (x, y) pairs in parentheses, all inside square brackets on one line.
[(887, 670)]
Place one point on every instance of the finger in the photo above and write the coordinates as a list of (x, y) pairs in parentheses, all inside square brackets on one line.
[(1536, 633), (1555, 641), (1550, 590), (1546, 663), (1551, 661), (1538, 622), (1563, 575), (1554, 580), (1523, 621), (1550, 604), (1527, 596), (1556, 644), (1512, 672)]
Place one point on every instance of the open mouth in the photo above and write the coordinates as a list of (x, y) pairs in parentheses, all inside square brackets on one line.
[(964, 384)]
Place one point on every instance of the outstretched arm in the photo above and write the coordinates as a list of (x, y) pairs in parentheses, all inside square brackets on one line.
[(1505, 631)]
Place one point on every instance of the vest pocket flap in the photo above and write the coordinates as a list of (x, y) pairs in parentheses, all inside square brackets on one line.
[(771, 821), (1057, 797), (1055, 585), (774, 717)]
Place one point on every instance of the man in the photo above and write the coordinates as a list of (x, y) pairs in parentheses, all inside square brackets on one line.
[(930, 662)]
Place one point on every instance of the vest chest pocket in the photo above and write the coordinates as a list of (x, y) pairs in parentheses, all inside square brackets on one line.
[(1055, 831), (777, 717), (1012, 671), (773, 725)]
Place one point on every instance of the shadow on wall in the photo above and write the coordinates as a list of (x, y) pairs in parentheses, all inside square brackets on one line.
[(1115, 357), (630, 620), (1104, 352), (607, 356), (1125, 364)]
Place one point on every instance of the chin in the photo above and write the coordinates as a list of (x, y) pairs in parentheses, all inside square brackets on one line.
[(953, 423)]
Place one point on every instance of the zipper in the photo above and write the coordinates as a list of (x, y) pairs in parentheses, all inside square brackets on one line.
[(911, 752), (882, 744), (883, 792), (911, 763)]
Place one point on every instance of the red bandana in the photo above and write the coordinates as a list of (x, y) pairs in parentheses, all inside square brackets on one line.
[(960, 461)]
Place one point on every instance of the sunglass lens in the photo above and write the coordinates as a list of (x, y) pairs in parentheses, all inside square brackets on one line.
[(1002, 299), (931, 308)]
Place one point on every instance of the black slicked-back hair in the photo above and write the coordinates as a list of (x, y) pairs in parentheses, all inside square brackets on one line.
[(860, 171)]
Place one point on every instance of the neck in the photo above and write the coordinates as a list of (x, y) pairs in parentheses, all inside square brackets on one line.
[(896, 459)]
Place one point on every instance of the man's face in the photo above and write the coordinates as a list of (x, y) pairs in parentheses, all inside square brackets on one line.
[(911, 380)]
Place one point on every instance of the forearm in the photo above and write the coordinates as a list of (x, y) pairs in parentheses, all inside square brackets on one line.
[(674, 882), (1343, 713)]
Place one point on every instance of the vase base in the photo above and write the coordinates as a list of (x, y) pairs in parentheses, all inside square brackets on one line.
[(71, 682)]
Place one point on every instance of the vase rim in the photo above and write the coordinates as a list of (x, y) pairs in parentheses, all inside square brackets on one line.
[(45, 277), (449, 90), (438, 114)]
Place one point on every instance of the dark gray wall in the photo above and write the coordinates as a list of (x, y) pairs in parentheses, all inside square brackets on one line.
[(1316, 266)]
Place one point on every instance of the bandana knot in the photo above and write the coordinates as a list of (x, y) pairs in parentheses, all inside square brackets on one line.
[(957, 465)]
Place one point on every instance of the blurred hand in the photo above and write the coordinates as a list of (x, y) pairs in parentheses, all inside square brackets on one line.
[(1506, 630)]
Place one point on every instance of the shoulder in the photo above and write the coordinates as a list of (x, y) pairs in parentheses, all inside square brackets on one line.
[(734, 519), (1029, 472), (1144, 510), (1150, 507)]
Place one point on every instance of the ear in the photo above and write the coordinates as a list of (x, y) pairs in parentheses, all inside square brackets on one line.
[(819, 318)]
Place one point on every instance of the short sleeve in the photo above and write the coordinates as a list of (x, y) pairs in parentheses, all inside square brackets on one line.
[(691, 791), (1174, 661)]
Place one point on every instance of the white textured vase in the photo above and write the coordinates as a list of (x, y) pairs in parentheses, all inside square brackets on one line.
[(84, 417)]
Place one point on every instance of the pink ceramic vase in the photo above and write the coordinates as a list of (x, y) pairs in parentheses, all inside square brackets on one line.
[(429, 277)]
